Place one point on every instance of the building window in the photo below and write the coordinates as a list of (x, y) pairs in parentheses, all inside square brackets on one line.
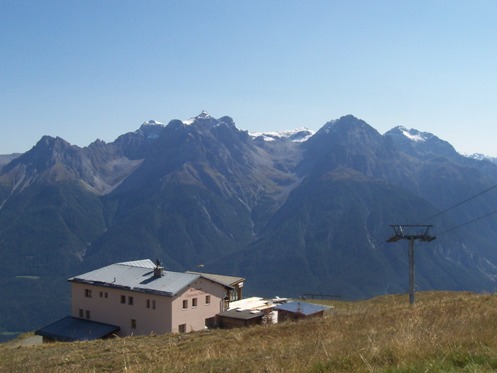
[(185, 304), (88, 314), (133, 324), (80, 313), (123, 299), (106, 294), (182, 328), (101, 294), (88, 293), (207, 299), (130, 301), (151, 304), (194, 302)]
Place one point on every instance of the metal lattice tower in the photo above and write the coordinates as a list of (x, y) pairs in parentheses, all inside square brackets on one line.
[(411, 233)]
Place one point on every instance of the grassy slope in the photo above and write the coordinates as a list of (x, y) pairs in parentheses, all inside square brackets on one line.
[(443, 332)]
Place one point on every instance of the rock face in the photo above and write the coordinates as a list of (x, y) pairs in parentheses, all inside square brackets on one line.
[(293, 212)]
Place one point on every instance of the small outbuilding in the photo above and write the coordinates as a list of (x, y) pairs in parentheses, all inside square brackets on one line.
[(249, 311), (70, 329), (297, 310), (238, 318)]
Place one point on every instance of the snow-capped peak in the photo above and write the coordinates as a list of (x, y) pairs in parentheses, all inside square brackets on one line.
[(414, 135), (150, 129), (328, 126), (477, 156), (296, 135), (153, 123), (480, 157), (203, 115)]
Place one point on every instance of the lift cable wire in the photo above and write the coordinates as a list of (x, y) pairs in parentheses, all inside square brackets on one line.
[(360, 259), (459, 204), (363, 257), (469, 222)]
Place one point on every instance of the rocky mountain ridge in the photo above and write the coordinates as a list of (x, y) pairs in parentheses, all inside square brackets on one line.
[(295, 212)]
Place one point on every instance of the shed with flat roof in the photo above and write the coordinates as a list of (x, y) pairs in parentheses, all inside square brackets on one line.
[(71, 329), (296, 310)]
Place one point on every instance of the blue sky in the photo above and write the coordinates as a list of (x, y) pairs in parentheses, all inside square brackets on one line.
[(87, 69)]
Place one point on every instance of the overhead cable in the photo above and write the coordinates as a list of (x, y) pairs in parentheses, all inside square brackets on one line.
[(469, 222), (459, 204)]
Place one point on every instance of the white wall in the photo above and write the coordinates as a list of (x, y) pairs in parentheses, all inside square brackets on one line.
[(167, 316), (194, 317)]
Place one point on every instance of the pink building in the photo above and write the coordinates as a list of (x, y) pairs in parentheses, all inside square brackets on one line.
[(140, 297)]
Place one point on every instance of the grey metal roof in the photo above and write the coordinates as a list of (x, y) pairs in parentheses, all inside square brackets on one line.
[(221, 279), (302, 307), (137, 276), (71, 329), (241, 314), (145, 263)]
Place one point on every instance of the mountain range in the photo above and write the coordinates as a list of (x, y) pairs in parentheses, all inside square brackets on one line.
[(294, 212)]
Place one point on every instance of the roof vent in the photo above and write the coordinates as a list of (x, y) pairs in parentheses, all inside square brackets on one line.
[(158, 270)]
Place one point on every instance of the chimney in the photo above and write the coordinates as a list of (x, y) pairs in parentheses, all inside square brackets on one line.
[(158, 270)]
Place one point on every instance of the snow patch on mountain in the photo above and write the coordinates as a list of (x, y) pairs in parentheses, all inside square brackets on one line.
[(203, 115), (153, 123), (480, 157), (150, 129), (414, 135), (328, 126), (477, 156), (296, 135)]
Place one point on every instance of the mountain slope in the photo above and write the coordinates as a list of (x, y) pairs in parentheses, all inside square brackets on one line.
[(293, 214), (329, 237), (193, 197)]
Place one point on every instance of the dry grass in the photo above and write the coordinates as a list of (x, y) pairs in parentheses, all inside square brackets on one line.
[(443, 332)]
